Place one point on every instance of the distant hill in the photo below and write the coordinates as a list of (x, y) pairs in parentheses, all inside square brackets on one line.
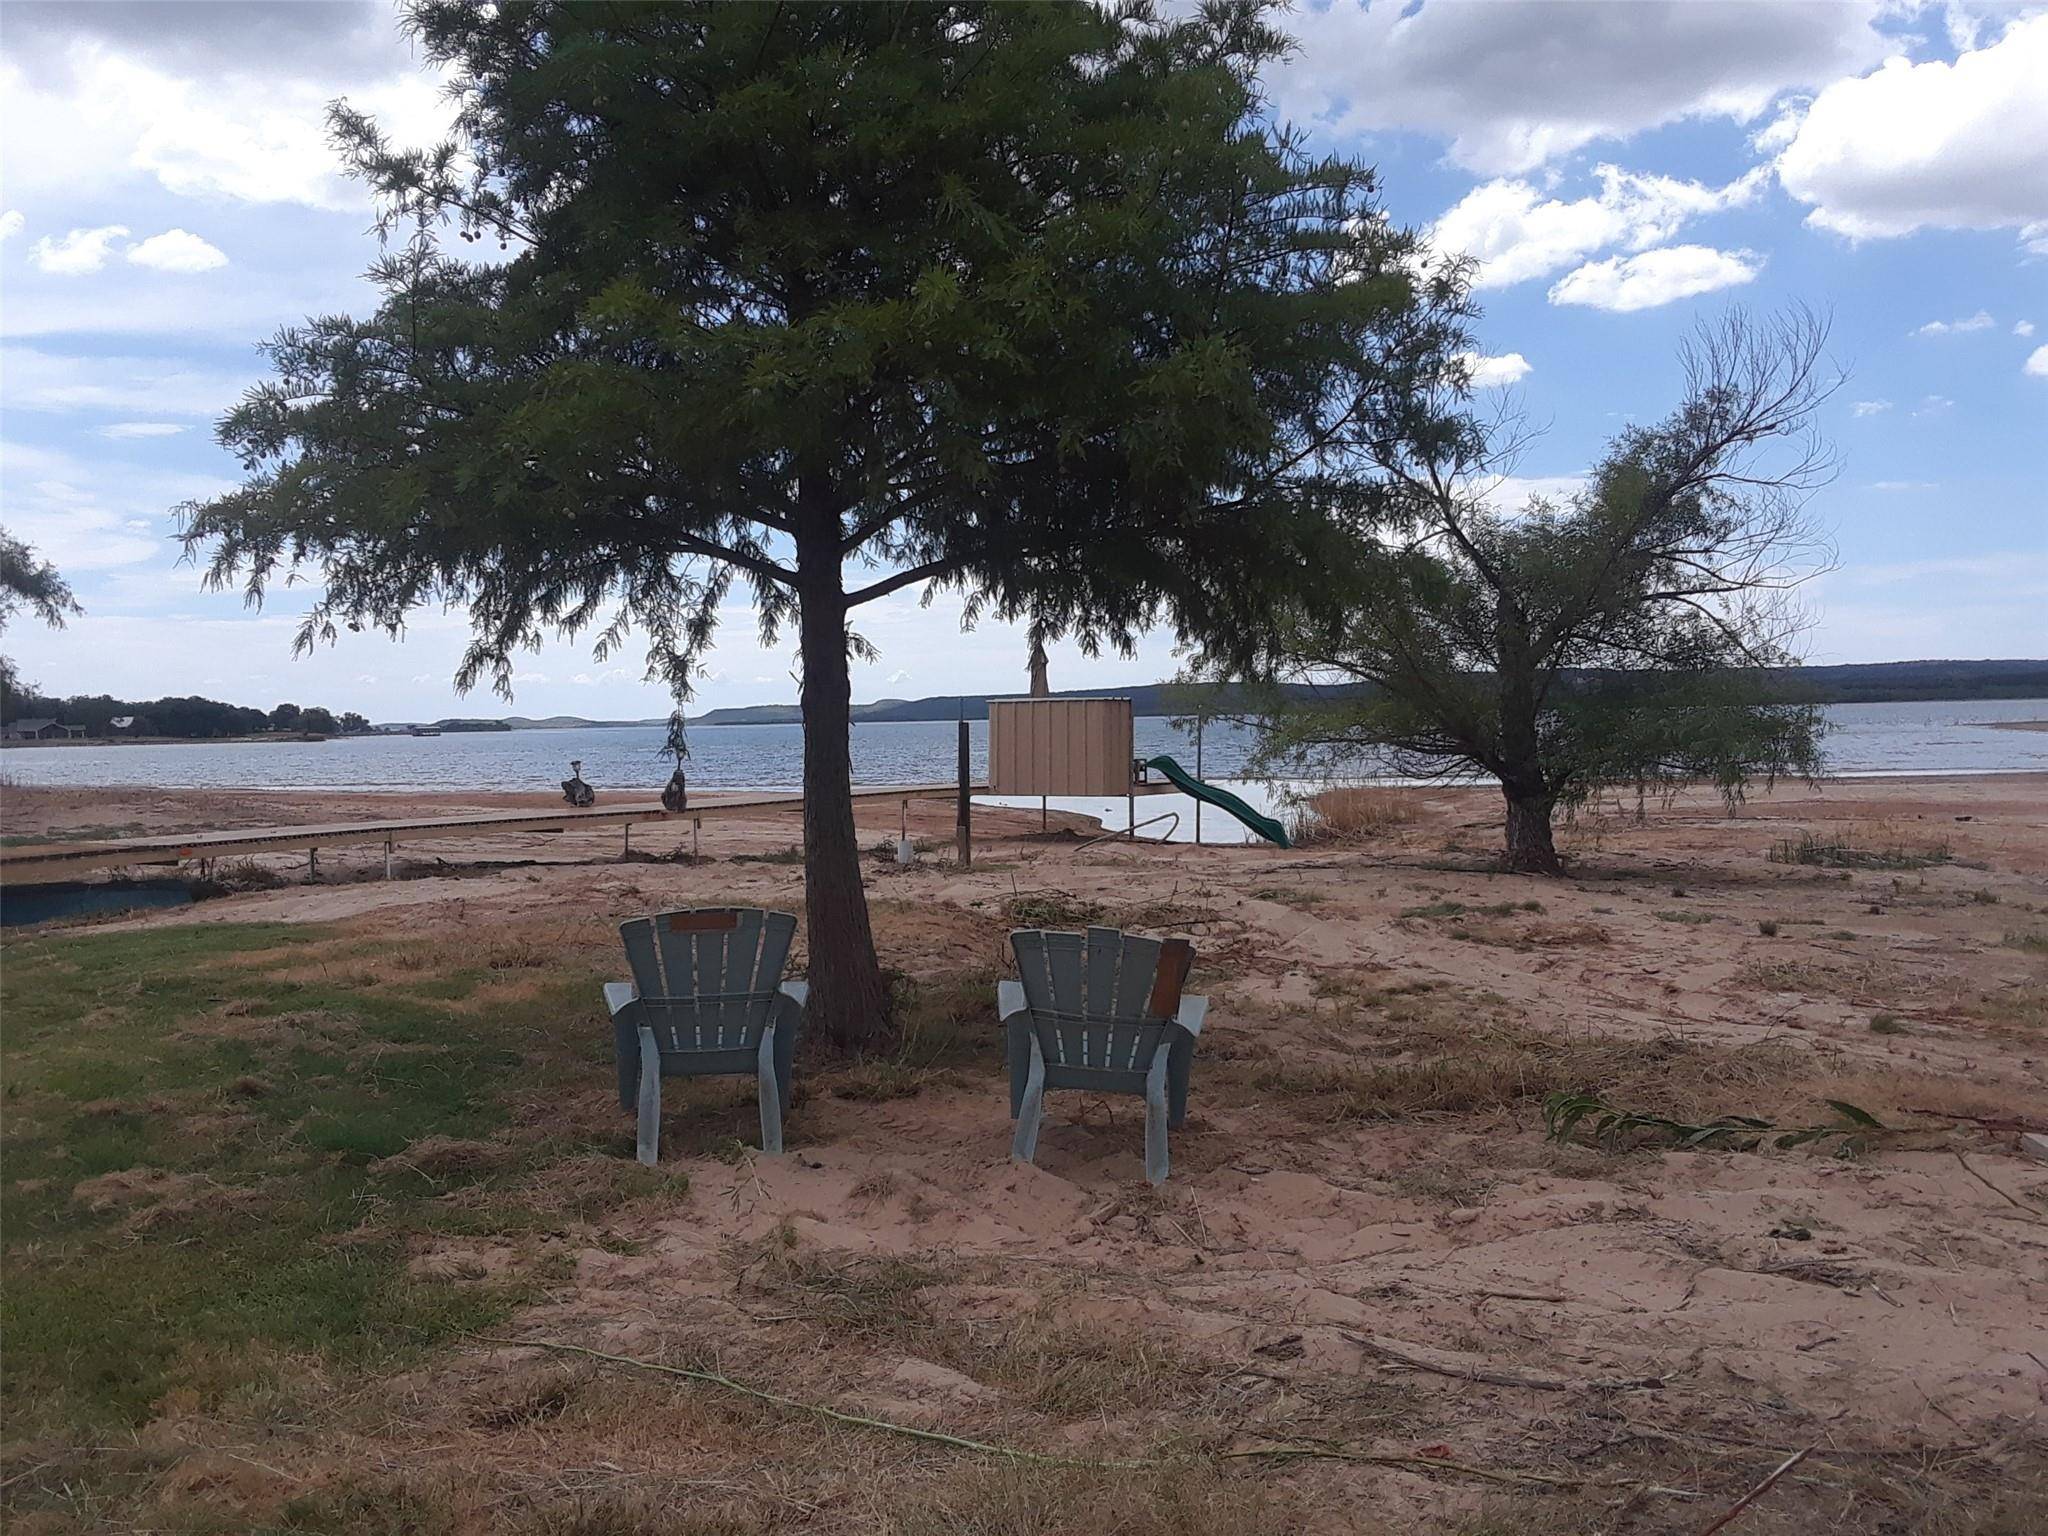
[(1856, 683)]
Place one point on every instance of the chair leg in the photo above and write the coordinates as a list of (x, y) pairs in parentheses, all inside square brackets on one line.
[(649, 1150), (770, 1088), (1155, 1121), (1024, 1146)]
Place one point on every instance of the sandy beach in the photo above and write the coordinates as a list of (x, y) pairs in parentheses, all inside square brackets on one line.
[(1373, 1293)]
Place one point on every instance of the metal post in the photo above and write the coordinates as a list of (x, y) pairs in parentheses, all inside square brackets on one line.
[(1198, 774), (628, 852), (387, 858), (1044, 822), (963, 816), (1131, 813), (312, 863), (696, 826)]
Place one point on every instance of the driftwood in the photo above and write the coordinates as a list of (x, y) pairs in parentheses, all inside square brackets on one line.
[(1758, 1491), (1443, 1363)]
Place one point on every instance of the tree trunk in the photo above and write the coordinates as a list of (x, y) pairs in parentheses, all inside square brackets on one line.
[(849, 1003), (1530, 848)]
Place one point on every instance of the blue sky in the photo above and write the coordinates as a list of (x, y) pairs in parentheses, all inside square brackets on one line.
[(1619, 171)]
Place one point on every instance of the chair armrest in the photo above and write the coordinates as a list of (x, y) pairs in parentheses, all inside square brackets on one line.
[(1193, 1010), (622, 1001), (1009, 998)]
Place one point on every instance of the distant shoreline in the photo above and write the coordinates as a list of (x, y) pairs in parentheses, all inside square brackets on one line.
[(2012, 725)]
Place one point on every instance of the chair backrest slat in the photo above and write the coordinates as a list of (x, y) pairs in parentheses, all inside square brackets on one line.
[(1094, 999), (708, 976)]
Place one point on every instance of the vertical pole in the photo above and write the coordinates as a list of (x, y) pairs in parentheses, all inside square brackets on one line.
[(1043, 822), (1131, 814), (312, 863), (1198, 773), (629, 838), (696, 826), (903, 818), (387, 858), (963, 816)]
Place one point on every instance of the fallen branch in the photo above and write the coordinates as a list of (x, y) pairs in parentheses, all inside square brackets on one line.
[(819, 1410), (1758, 1491), (1443, 1364), (1439, 1464), (2012, 1200)]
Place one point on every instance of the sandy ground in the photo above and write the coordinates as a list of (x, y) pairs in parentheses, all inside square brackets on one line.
[(1366, 1237)]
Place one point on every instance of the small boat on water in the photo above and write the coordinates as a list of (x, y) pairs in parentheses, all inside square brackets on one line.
[(425, 730)]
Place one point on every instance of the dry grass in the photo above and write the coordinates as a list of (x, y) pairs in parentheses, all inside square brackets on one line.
[(1345, 818)]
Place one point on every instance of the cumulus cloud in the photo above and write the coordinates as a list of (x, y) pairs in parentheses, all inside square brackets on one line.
[(1495, 372), (1939, 145), (210, 100), (1514, 87), (177, 250), (2023, 327), (2037, 364), (10, 224), (1933, 405), (1513, 232), (1980, 321), (1869, 407), (80, 252), (1655, 277)]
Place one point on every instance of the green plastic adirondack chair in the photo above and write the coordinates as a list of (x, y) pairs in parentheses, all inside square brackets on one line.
[(1101, 1012), (707, 998)]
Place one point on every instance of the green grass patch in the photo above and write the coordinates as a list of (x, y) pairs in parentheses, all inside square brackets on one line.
[(196, 1126)]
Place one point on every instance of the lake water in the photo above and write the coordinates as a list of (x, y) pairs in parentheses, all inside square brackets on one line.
[(1941, 737)]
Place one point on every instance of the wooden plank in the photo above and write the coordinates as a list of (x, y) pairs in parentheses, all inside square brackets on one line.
[(53, 861)]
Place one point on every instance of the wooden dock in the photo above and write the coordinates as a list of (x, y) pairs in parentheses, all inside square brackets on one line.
[(62, 861)]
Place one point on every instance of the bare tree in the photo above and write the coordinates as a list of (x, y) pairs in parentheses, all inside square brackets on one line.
[(1625, 633)]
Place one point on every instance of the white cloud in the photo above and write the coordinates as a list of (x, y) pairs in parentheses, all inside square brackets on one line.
[(1904, 485), (1655, 277), (39, 380), (177, 250), (90, 114), (1516, 86), (900, 675), (1869, 407), (11, 223), (81, 251), (2023, 327), (128, 429), (1494, 372), (75, 513), (1932, 145), (1514, 232), (1933, 405), (2036, 366), (1980, 321)]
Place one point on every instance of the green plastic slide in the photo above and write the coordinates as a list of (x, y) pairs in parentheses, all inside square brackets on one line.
[(1222, 799)]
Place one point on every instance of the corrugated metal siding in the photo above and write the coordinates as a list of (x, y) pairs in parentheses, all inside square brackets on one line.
[(1059, 746)]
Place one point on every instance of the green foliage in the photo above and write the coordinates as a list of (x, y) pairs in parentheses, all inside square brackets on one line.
[(1565, 1113), (1032, 300), (1622, 636)]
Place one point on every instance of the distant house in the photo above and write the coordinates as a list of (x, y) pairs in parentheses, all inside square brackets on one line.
[(39, 730)]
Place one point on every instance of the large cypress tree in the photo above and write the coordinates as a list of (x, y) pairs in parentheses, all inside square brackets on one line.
[(830, 301)]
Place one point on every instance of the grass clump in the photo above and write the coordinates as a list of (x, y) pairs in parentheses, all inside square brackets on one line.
[(1841, 852), (1887, 1024), (1768, 928), (1051, 909), (1345, 817), (1684, 915)]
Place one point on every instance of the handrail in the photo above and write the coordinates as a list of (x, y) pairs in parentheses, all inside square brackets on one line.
[(1131, 831)]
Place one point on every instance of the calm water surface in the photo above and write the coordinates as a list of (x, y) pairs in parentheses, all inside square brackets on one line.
[(1942, 737)]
